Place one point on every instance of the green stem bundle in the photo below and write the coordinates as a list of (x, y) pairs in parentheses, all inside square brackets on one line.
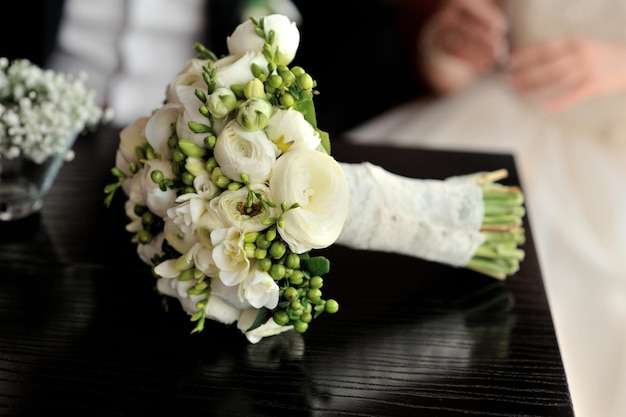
[(500, 254)]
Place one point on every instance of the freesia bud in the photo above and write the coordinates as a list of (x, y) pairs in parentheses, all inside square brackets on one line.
[(254, 88)]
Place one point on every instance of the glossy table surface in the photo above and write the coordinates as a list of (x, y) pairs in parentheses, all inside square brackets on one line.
[(82, 332)]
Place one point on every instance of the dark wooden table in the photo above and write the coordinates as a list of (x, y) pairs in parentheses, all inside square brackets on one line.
[(83, 333)]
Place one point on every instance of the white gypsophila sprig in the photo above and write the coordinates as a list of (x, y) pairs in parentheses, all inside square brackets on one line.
[(40, 109)]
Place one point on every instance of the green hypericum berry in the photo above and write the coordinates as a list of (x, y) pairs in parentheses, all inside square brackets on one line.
[(281, 317), (316, 282), (306, 317), (277, 250), (277, 271), (187, 178), (265, 264), (296, 307), (178, 155), (287, 100), (300, 326), (260, 253), (292, 261), (314, 294), (157, 176), (331, 306), (290, 293), (296, 277), (262, 242)]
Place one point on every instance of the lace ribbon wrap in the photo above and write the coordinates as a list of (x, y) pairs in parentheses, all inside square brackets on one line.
[(436, 220)]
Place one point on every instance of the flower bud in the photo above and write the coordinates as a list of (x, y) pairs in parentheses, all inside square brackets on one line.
[(254, 114), (221, 102), (254, 88), (189, 148)]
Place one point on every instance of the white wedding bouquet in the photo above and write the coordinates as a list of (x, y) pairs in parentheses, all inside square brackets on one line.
[(231, 186)]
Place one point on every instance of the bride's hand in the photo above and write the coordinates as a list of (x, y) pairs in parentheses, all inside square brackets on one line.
[(463, 38), (566, 71), (471, 30)]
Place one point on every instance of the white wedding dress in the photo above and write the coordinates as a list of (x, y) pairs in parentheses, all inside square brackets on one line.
[(573, 171)]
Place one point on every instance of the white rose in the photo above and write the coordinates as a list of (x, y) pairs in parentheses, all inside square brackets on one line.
[(229, 255), (317, 183), (286, 38), (238, 151), (269, 328), (159, 128), (289, 130), (188, 78), (236, 69), (225, 211)]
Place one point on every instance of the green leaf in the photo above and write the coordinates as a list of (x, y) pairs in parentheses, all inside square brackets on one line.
[(317, 265), (262, 317)]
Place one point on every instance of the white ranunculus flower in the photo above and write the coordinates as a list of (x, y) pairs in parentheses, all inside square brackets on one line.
[(189, 78), (317, 183), (159, 128), (270, 328), (157, 201), (225, 210), (236, 69), (229, 255), (289, 130), (238, 151), (286, 38)]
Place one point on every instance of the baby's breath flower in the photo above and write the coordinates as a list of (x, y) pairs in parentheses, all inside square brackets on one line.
[(40, 109)]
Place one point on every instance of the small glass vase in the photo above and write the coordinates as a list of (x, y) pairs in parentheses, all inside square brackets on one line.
[(24, 183)]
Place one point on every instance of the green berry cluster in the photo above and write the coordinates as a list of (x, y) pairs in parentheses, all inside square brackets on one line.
[(299, 277)]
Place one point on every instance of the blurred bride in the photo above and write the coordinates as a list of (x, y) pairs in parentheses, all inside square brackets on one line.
[(546, 81)]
